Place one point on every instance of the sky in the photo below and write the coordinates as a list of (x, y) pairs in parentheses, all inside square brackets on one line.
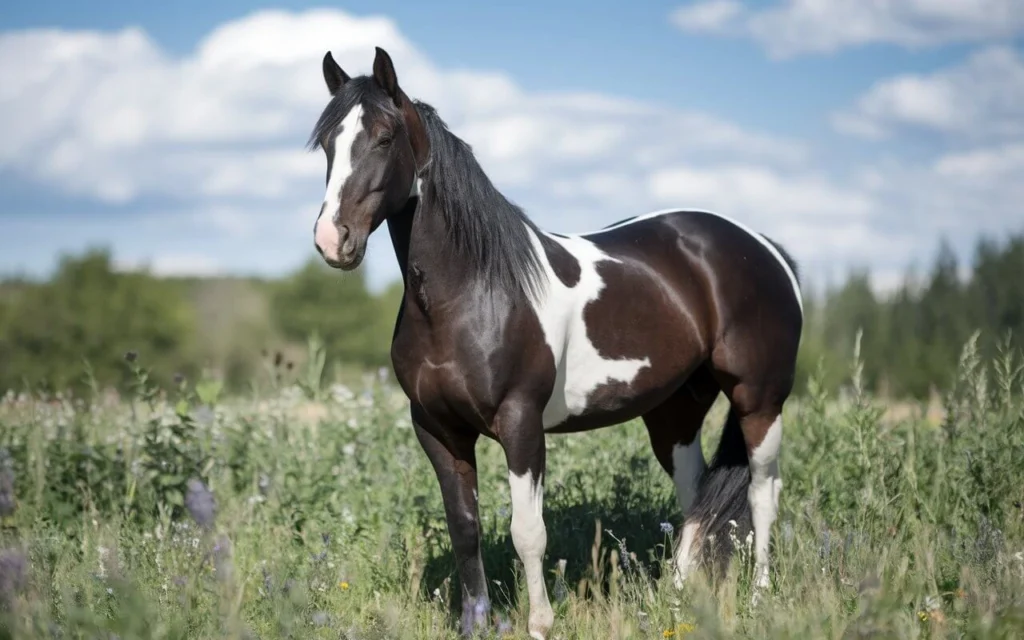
[(858, 133)]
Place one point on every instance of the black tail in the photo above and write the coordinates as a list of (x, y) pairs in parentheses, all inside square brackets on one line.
[(721, 497)]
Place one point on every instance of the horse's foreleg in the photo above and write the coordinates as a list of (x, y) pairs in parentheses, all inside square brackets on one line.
[(521, 432), (454, 462)]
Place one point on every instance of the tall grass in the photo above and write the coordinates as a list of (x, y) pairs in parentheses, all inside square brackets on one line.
[(311, 512)]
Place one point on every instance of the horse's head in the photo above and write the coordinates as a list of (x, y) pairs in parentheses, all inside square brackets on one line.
[(375, 142)]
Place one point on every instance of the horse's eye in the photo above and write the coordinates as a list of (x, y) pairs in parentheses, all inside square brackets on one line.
[(384, 141)]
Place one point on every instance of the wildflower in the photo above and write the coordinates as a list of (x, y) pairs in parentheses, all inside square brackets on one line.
[(200, 504), (668, 633), (7, 502), (624, 554), (667, 528), (13, 570), (343, 585), (686, 627), (264, 484)]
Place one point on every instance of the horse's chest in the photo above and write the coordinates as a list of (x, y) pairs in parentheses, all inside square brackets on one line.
[(435, 374)]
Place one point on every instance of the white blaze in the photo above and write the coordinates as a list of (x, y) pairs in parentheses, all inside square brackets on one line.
[(327, 237)]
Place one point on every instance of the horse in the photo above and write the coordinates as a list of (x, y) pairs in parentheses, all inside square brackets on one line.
[(513, 333)]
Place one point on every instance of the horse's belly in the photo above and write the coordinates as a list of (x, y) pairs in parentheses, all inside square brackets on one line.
[(588, 384)]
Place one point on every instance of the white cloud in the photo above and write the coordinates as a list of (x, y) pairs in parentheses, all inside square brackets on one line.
[(713, 15), (206, 152), (982, 98), (986, 167), (796, 27)]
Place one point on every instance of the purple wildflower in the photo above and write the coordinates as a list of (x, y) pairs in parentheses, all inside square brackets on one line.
[(200, 504), (7, 501), (667, 528), (13, 576), (504, 626)]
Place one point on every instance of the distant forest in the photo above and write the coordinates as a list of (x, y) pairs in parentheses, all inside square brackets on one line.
[(72, 331)]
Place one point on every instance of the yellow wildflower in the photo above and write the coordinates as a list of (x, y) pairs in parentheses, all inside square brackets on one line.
[(668, 633), (343, 585)]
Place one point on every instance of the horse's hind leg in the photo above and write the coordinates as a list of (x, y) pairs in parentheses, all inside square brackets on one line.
[(757, 389), (674, 427)]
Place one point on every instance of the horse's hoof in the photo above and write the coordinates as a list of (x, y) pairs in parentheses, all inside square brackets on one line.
[(541, 623)]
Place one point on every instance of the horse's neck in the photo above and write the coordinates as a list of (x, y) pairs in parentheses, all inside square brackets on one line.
[(400, 229), (431, 258)]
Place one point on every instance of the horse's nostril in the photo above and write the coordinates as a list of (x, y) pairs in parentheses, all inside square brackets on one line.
[(343, 241)]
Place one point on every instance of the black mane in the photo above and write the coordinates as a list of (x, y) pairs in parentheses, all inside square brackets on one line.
[(485, 230)]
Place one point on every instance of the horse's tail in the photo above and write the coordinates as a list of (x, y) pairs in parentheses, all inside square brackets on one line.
[(721, 509)]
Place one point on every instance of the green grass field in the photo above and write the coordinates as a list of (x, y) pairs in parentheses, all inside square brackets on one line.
[(324, 520)]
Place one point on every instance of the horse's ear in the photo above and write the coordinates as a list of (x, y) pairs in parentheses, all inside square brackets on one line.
[(334, 75), (384, 74)]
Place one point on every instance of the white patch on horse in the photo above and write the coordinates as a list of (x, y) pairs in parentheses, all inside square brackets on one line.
[(757, 236), (687, 466), (763, 494), (530, 538), (327, 237), (579, 368)]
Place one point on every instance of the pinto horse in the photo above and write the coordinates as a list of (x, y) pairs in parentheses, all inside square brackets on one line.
[(512, 333)]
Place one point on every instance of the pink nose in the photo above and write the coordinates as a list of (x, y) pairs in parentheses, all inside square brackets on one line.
[(329, 238)]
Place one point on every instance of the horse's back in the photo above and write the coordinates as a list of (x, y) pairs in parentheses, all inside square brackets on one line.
[(740, 266)]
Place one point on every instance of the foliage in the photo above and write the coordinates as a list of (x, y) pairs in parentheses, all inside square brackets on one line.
[(90, 313), (354, 325), (319, 519), (911, 338)]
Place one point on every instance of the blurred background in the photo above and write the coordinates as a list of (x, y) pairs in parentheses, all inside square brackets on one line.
[(156, 195)]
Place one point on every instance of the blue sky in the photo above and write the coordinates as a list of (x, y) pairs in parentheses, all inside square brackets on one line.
[(172, 132)]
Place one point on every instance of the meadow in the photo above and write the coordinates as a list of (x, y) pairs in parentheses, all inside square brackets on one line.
[(308, 510)]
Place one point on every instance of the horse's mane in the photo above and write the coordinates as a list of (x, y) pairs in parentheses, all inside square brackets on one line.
[(486, 231)]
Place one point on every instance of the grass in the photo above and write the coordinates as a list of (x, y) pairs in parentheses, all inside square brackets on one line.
[(185, 515)]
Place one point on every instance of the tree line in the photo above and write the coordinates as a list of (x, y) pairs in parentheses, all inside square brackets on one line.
[(73, 330)]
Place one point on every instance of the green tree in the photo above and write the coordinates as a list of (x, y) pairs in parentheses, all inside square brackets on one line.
[(91, 313), (355, 325)]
